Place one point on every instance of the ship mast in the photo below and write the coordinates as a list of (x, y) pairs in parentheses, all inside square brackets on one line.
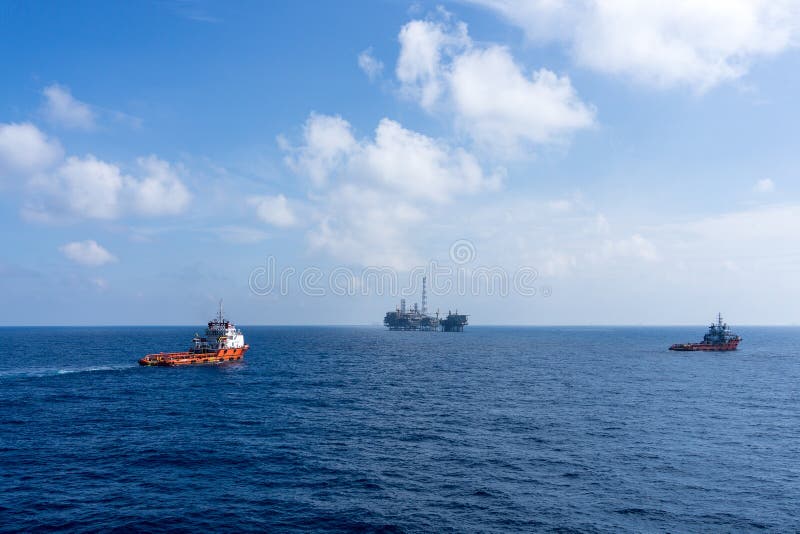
[(219, 316), (424, 297)]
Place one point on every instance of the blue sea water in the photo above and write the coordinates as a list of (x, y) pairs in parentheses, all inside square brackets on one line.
[(341, 429)]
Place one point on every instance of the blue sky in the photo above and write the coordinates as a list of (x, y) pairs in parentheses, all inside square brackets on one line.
[(641, 159)]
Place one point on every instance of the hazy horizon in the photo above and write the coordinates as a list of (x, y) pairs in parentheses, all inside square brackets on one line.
[(380, 325)]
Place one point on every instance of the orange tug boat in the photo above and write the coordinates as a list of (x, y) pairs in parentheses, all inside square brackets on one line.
[(223, 342)]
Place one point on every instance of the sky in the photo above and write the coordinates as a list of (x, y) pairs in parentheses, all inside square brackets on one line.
[(541, 163)]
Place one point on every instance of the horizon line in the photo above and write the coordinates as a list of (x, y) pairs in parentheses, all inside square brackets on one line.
[(377, 325)]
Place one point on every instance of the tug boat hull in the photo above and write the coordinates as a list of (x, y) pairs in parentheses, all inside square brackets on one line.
[(705, 346), (171, 359), (718, 339), (222, 342)]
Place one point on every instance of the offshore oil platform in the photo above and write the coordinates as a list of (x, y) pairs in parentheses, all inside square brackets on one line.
[(417, 318)]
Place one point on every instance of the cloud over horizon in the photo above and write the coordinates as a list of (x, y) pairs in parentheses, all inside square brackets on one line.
[(363, 189)]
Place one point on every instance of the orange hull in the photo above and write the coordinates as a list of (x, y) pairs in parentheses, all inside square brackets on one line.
[(169, 359), (708, 347)]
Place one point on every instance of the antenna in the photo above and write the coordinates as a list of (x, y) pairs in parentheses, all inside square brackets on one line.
[(219, 317), (424, 297)]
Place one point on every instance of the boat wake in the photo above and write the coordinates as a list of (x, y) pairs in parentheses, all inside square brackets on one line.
[(39, 372)]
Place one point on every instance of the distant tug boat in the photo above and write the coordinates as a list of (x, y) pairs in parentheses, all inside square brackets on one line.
[(223, 342), (718, 338)]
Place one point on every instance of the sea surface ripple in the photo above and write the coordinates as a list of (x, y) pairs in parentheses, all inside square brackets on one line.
[(342, 429)]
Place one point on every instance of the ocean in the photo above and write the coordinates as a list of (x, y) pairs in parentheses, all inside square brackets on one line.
[(497, 429)]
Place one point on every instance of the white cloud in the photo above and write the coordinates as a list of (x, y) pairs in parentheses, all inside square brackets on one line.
[(87, 253), (25, 150), (490, 96), (274, 210), (94, 189), (89, 187), (327, 140), (417, 166), (84, 186), (159, 191), (764, 185), (61, 108), (371, 66), (698, 44), (501, 107), (373, 188), (398, 159), (422, 45)]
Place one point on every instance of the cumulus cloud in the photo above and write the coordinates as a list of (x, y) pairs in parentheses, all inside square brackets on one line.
[(491, 97), (159, 191), (274, 210), (764, 185), (88, 187), (25, 150), (419, 67), (62, 109), (85, 186), (418, 166), (502, 107), (87, 253), (327, 139), (661, 44), (372, 187), (371, 66), (398, 159)]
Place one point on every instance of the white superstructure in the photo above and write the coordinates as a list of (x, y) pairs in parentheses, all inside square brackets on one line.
[(220, 334)]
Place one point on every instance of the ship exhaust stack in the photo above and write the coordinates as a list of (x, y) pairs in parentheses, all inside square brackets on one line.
[(424, 296)]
